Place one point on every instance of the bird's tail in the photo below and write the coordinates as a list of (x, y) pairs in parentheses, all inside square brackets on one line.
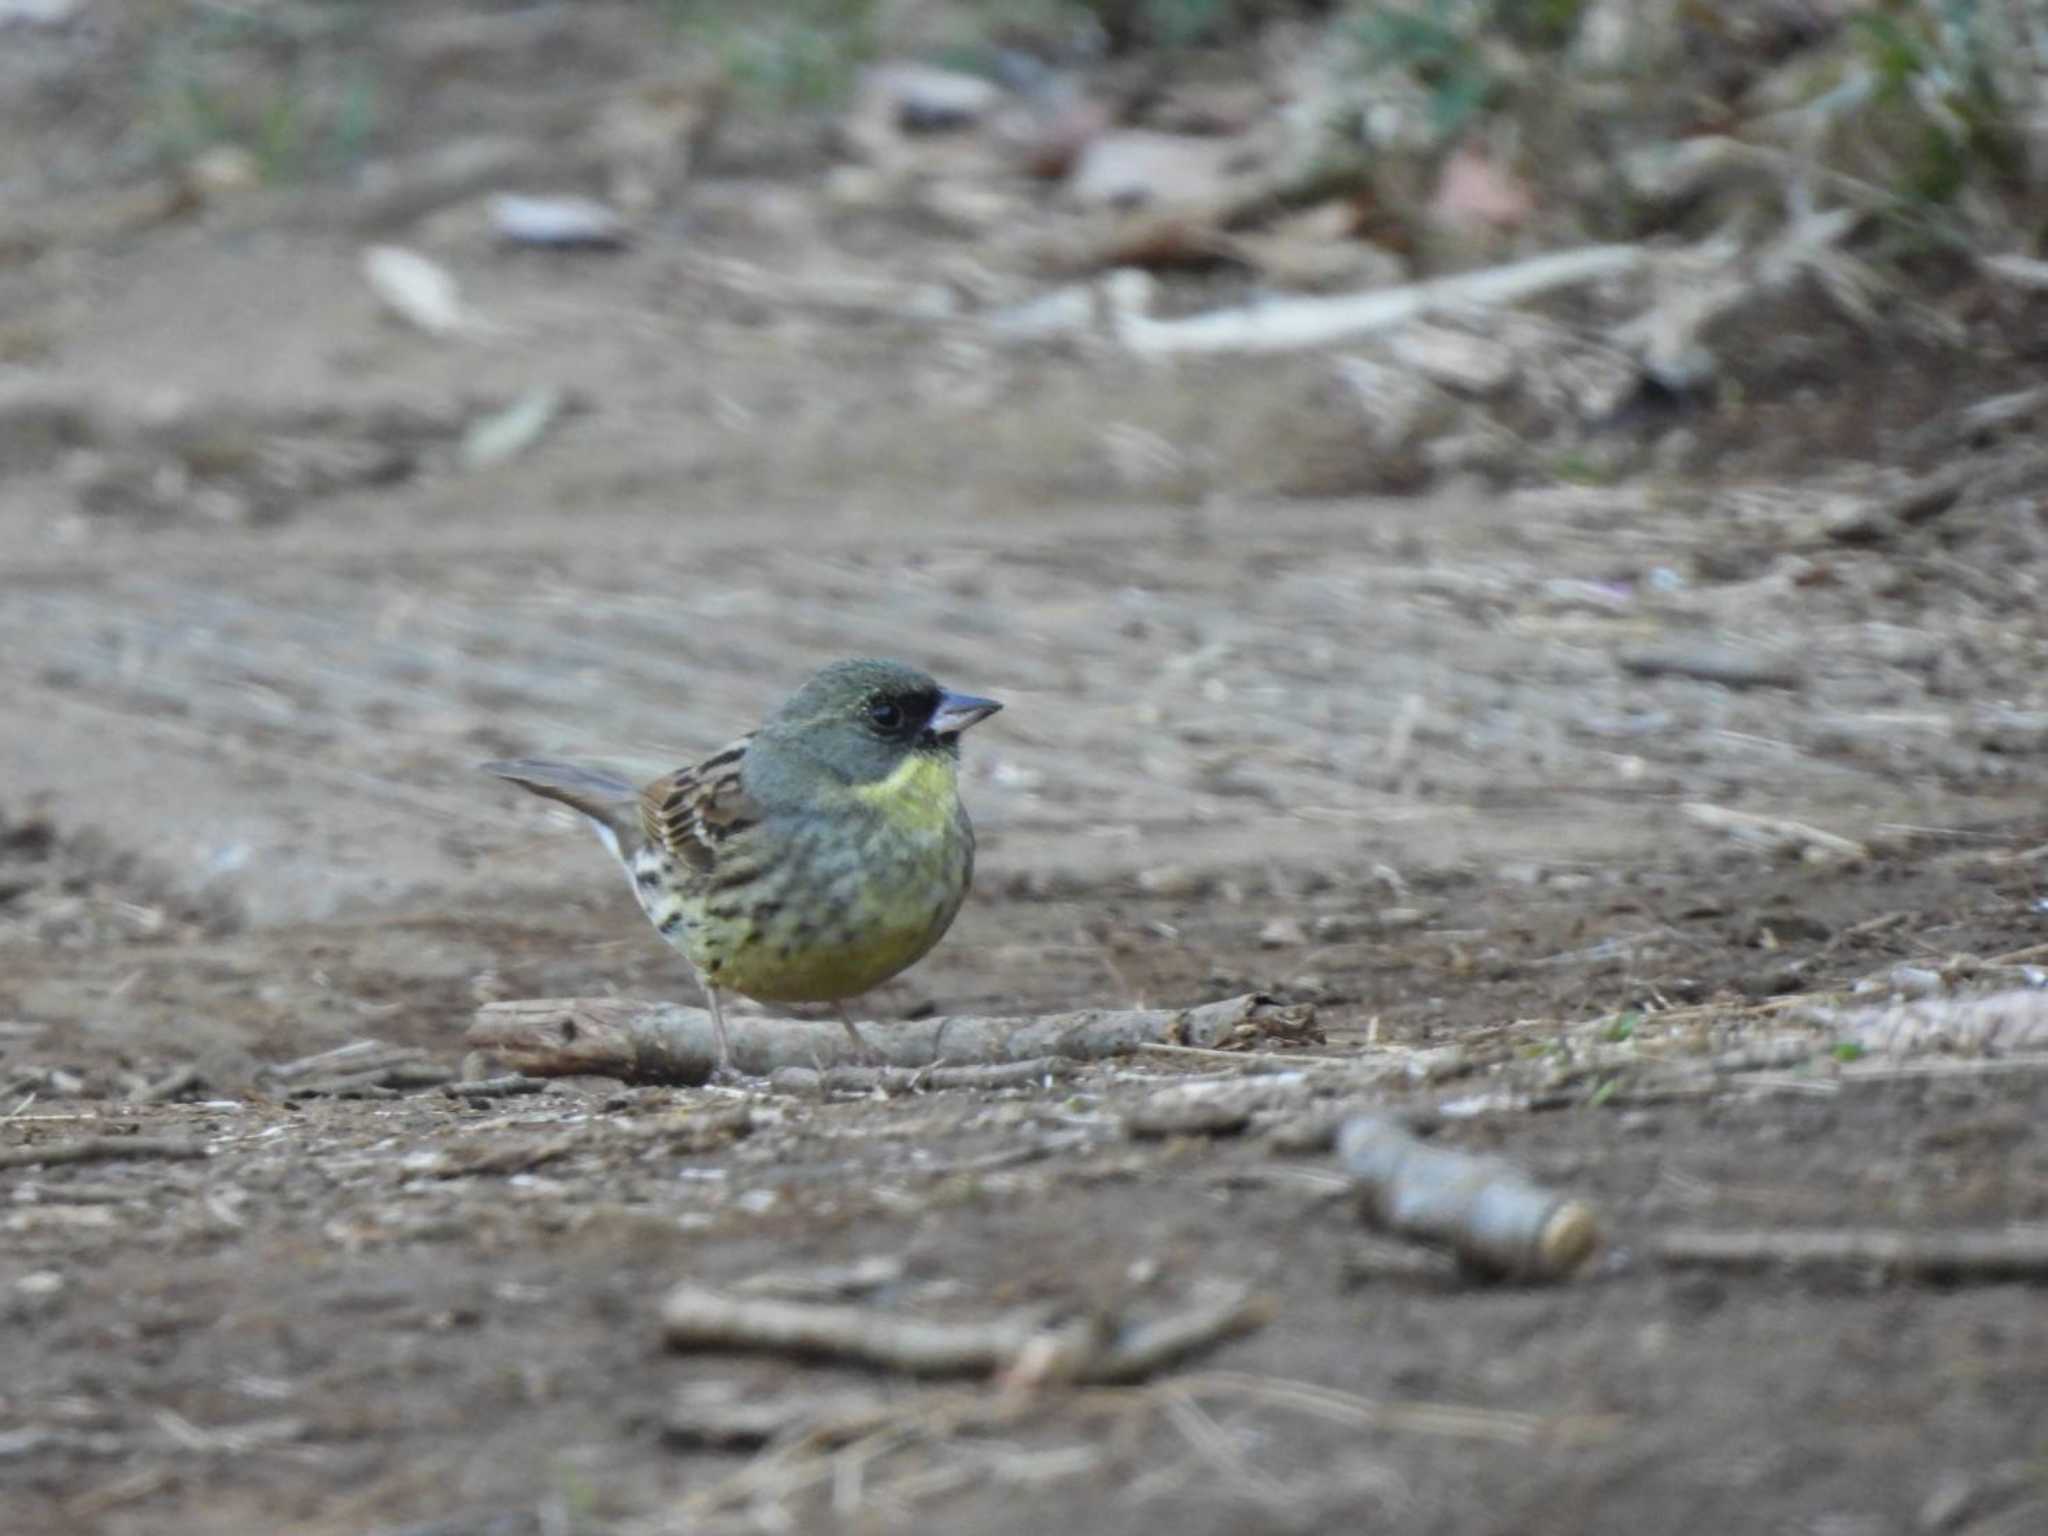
[(611, 803)]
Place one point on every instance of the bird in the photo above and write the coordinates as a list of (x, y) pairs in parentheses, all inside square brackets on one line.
[(810, 860)]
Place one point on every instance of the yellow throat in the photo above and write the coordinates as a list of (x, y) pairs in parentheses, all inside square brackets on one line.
[(920, 794)]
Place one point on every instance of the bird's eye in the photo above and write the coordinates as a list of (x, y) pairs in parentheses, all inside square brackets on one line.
[(885, 716)]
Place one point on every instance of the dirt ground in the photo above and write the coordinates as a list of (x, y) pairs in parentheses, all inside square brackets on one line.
[(1395, 758)]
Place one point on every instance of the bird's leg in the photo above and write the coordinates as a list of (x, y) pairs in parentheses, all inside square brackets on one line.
[(861, 1049), (725, 1071)]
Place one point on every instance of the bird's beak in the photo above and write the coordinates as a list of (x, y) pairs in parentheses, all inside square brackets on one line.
[(957, 711)]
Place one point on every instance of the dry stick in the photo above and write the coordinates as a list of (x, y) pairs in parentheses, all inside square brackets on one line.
[(1485, 1211), (383, 1080), (1004, 1074), (1145, 1349), (1252, 1066), (100, 1149), (1019, 1344), (349, 1055), (2016, 1254), (364, 1086), (164, 1089), (1775, 832), (671, 1043), (1709, 663), (694, 1317), (494, 1087), (1289, 324)]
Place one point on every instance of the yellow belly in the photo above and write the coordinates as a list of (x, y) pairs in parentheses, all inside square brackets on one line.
[(829, 966)]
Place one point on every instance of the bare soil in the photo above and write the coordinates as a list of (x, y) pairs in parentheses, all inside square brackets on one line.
[(239, 824)]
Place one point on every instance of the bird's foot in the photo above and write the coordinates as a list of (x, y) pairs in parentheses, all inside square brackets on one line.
[(863, 1052)]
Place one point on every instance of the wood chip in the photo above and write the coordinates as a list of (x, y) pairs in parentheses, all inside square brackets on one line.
[(1488, 1213)]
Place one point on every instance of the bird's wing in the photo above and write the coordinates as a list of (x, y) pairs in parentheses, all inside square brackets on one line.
[(692, 811)]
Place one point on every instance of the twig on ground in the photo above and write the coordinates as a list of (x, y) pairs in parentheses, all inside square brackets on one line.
[(494, 1087), (1486, 1212), (694, 1317), (362, 1086), (1283, 325), (1776, 833), (100, 1149), (181, 1080), (1145, 1349), (2012, 1254), (671, 1043), (1259, 1064), (349, 1056), (900, 1080), (1018, 1346), (366, 1069), (1710, 663)]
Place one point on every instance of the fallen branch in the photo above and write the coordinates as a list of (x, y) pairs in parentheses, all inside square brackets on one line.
[(2017, 1254), (1020, 1346), (1483, 1210), (100, 1149), (672, 1043), (1288, 324)]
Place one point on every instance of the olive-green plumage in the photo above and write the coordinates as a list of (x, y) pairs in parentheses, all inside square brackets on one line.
[(810, 861)]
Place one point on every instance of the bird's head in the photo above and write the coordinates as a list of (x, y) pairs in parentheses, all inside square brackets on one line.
[(864, 719)]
